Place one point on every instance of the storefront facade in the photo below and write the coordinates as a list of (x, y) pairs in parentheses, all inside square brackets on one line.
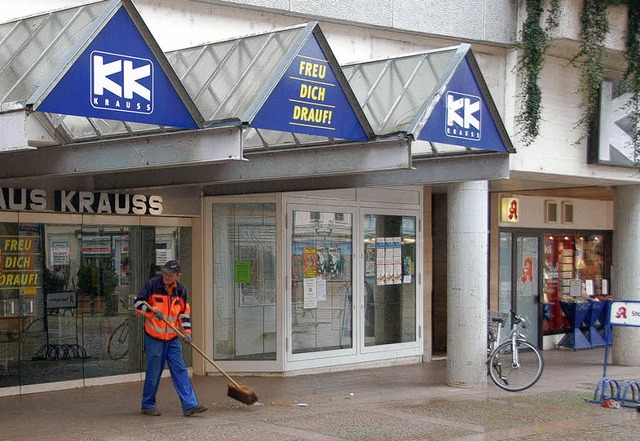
[(309, 280), (303, 229), (68, 281), (554, 251)]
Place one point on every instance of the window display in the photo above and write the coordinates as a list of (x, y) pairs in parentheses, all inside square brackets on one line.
[(573, 271)]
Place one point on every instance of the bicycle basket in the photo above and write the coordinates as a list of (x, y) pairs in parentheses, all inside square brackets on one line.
[(493, 326)]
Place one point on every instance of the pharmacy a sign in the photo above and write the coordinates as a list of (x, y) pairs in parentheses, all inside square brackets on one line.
[(625, 313)]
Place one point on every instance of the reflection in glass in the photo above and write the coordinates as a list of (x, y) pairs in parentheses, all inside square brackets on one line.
[(66, 298), (321, 300), (244, 289), (390, 284)]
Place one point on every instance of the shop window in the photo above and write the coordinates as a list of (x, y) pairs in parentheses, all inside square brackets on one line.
[(390, 285), (244, 281), (573, 271), (66, 298)]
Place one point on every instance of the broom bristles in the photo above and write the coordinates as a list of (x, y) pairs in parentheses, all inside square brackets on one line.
[(242, 393)]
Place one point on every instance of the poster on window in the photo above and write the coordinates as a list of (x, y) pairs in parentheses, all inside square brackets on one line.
[(369, 260), (397, 261), (381, 246), (389, 261), (310, 294), (60, 253), (310, 262)]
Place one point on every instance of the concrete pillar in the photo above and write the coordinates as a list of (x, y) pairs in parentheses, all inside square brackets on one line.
[(467, 283), (625, 277)]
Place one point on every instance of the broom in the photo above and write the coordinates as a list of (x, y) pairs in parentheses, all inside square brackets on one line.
[(235, 390)]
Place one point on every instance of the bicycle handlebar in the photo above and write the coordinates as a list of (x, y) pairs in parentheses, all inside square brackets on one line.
[(518, 319)]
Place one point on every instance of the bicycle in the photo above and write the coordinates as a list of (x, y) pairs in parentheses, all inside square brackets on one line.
[(118, 345), (514, 364)]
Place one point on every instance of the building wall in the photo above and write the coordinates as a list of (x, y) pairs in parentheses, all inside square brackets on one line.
[(560, 152), (464, 19)]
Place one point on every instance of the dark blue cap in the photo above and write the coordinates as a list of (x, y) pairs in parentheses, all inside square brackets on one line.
[(171, 267)]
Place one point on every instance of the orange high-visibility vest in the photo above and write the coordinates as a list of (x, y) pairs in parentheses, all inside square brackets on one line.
[(173, 305)]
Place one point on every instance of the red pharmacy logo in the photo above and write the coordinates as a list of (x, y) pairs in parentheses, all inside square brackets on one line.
[(621, 313)]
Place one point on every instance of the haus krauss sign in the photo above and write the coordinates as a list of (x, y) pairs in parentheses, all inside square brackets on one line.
[(73, 201)]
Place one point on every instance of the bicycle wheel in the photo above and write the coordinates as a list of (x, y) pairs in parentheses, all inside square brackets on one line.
[(34, 328), (512, 376), (118, 345)]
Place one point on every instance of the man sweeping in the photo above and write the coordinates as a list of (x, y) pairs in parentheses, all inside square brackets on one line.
[(168, 299)]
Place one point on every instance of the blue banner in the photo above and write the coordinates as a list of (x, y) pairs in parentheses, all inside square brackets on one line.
[(462, 116), (309, 99), (118, 77)]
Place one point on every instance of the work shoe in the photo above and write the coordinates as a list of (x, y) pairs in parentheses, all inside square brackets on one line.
[(151, 411), (195, 409)]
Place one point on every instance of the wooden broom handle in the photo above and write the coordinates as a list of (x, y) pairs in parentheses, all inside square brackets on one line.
[(172, 326)]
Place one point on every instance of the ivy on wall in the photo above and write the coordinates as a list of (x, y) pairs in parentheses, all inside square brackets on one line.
[(595, 27), (590, 58), (534, 45)]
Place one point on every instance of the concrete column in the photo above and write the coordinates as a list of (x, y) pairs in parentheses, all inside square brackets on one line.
[(467, 283), (625, 276)]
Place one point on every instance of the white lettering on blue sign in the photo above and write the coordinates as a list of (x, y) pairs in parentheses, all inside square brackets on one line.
[(121, 83), (463, 116)]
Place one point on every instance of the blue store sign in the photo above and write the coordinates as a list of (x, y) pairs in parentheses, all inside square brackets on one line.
[(462, 115), (117, 75), (310, 100)]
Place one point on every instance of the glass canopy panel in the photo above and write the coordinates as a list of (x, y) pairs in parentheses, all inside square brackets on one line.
[(255, 139), (393, 92), (31, 49), (215, 74), (83, 129), (426, 148)]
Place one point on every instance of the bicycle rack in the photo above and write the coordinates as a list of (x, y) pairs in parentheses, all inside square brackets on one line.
[(60, 352), (626, 392)]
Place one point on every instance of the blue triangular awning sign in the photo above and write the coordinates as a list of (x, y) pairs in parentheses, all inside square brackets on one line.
[(465, 113), (312, 97), (118, 73)]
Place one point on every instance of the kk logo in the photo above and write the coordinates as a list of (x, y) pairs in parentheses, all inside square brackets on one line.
[(463, 116), (121, 83)]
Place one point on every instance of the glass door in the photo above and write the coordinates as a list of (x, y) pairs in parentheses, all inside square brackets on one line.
[(321, 302), (390, 301), (527, 283), (354, 285)]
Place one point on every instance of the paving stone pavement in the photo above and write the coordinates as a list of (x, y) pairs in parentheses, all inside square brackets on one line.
[(391, 403)]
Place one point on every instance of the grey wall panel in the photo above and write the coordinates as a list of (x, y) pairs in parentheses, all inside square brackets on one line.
[(468, 20)]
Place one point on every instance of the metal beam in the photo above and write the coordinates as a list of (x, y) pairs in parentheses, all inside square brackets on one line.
[(299, 163), (427, 172), (140, 153)]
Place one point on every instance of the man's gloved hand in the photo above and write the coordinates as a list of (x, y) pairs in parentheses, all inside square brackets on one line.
[(187, 338), (159, 315)]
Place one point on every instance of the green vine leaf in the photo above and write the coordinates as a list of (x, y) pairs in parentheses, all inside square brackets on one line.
[(590, 59), (595, 27), (534, 45)]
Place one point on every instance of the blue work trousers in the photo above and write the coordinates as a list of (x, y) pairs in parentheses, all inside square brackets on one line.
[(159, 352)]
